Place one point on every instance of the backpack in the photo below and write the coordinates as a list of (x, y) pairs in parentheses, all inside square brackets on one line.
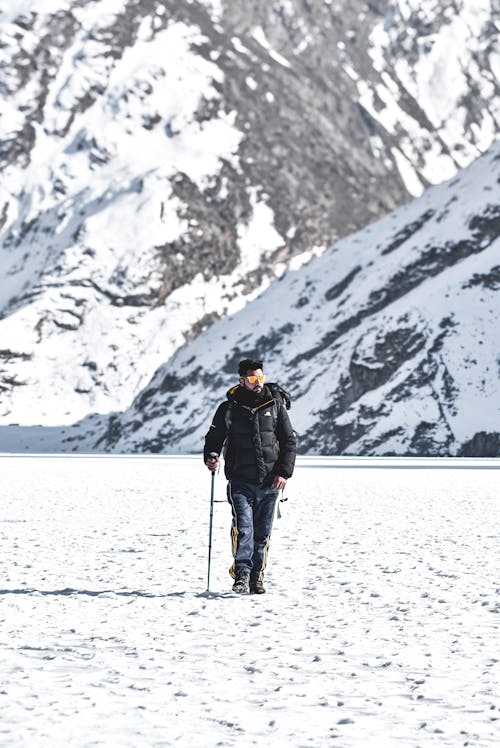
[(283, 395)]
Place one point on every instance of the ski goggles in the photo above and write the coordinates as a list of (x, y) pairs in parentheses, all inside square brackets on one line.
[(253, 378)]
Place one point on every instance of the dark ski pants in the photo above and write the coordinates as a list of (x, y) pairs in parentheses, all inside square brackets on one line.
[(253, 512)]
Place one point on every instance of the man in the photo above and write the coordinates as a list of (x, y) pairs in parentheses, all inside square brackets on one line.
[(260, 447)]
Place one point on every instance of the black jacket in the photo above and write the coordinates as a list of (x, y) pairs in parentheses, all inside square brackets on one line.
[(258, 436)]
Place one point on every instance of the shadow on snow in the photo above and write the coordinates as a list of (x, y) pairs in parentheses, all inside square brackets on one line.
[(67, 591)]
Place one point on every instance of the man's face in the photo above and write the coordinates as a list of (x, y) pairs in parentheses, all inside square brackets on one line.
[(255, 386)]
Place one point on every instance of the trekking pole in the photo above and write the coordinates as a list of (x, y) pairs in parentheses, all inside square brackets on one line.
[(280, 501), (214, 455)]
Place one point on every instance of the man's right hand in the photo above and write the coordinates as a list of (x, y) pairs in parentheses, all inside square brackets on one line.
[(212, 463)]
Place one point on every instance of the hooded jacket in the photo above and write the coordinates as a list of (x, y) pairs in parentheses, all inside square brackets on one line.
[(258, 438)]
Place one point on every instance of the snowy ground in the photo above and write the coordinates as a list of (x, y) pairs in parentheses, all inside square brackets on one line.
[(380, 626)]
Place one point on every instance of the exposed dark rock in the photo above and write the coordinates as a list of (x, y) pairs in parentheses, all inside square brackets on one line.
[(378, 446), (489, 280), (209, 245), (331, 438), (426, 372), (391, 350), (19, 147), (112, 433), (26, 21), (202, 324), (341, 286), (303, 301), (402, 236), (9, 379), (237, 355), (172, 382), (429, 439), (8, 355), (486, 227), (153, 446), (274, 340), (482, 444), (3, 215), (8, 383), (134, 300)]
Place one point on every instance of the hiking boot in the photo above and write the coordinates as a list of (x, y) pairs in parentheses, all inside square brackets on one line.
[(257, 588), (242, 582)]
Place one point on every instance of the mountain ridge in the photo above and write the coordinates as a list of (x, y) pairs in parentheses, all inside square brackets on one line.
[(398, 358), (163, 162)]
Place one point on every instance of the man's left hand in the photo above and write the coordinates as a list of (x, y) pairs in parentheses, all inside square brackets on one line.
[(279, 483)]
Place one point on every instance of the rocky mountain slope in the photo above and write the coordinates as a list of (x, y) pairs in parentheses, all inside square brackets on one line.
[(388, 342), (162, 161)]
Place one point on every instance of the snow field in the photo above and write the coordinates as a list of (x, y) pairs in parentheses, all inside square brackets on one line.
[(380, 625)]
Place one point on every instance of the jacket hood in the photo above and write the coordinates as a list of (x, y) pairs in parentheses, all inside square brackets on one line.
[(242, 396), (271, 390)]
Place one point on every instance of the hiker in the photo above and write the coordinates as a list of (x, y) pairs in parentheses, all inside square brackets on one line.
[(259, 455)]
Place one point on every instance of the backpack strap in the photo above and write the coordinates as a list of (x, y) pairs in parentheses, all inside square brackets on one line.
[(228, 416), (278, 393)]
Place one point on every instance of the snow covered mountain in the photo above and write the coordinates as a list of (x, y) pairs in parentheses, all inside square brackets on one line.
[(163, 160), (388, 342)]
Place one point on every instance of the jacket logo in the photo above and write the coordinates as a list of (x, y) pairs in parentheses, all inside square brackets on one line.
[(267, 413)]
